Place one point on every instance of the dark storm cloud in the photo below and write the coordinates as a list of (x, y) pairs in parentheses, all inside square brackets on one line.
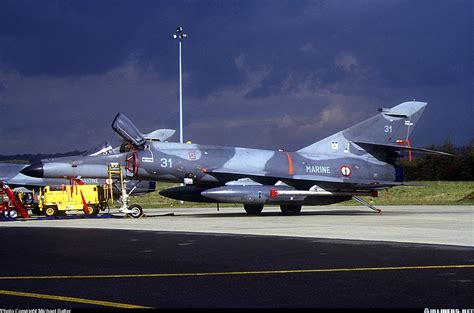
[(66, 38), (419, 42), (292, 71), (403, 42), (397, 44)]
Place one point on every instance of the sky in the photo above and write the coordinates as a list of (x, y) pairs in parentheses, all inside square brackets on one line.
[(264, 74)]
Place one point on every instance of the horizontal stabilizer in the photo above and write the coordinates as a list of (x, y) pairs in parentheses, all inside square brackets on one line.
[(384, 147)]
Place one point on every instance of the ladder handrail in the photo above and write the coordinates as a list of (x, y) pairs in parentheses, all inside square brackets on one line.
[(17, 204)]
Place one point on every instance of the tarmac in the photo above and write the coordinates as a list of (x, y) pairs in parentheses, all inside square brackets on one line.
[(328, 257), (446, 225)]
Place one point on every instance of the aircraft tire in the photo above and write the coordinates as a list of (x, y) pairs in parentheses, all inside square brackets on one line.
[(51, 211), (137, 211), (253, 209), (13, 213), (290, 209)]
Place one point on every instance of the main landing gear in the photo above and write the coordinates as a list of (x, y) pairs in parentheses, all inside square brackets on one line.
[(253, 209), (295, 209), (286, 209)]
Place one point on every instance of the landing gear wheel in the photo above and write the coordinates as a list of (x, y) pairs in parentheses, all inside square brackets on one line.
[(290, 209), (13, 213), (51, 211), (253, 209), (137, 211)]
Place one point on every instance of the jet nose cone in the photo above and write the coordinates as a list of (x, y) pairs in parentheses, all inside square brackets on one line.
[(34, 170)]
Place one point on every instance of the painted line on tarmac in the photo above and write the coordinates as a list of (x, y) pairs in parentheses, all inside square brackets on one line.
[(71, 299), (321, 270)]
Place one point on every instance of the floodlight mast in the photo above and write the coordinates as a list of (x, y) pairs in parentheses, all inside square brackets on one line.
[(180, 35)]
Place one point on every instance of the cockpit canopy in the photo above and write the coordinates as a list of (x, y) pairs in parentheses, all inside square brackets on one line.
[(127, 130), (133, 137)]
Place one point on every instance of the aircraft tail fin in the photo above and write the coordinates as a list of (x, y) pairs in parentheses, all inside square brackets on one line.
[(391, 127)]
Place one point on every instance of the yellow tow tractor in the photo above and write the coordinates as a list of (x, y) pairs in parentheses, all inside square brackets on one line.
[(55, 201)]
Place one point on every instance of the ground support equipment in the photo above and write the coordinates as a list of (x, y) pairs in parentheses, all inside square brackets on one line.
[(10, 205)]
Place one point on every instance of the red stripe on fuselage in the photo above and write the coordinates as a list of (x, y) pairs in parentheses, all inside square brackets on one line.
[(290, 163)]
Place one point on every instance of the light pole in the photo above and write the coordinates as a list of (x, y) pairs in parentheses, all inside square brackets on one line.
[(179, 34)]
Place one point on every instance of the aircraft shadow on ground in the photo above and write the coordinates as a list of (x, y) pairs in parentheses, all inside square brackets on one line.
[(273, 214), (222, 214), (348, 212)]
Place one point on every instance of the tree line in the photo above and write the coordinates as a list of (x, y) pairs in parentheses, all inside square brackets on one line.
[(33, 158), (438, 167)]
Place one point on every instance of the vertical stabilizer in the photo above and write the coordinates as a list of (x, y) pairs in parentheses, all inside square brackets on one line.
[(389, 127)]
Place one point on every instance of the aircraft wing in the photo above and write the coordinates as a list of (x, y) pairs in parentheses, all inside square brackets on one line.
[(355, 183), (306, 181), (227, 175)]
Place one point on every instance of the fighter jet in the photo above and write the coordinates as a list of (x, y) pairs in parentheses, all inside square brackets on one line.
[(360, 160)]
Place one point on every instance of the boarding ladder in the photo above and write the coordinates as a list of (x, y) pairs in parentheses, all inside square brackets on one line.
[(115, 173)]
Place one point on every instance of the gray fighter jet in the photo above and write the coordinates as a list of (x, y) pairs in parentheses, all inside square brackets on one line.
[(358, 161)]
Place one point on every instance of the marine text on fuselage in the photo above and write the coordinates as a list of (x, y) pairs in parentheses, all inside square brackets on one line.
[(318, 169)]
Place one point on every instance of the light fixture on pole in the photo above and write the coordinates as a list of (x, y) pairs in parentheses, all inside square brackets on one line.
[(180, 35)]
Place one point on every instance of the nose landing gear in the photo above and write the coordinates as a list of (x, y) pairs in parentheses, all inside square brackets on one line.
[(134, 210)]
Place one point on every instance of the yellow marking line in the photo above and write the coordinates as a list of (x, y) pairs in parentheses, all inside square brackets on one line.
[(71, 299), (321, 270)]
